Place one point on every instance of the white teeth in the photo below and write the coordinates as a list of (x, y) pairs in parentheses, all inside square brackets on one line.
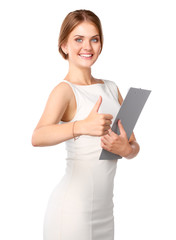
[(85, 55)]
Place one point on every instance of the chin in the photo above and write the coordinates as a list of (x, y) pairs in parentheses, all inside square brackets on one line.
[(87, 64), (83, 63)]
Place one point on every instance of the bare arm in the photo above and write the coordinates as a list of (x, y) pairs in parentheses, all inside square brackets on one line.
[(48, 132)]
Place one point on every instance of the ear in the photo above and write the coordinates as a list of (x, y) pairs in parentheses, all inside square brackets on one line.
[(100, 50), (64, 48)]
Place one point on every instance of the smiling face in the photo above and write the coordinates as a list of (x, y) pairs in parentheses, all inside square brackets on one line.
[(83, 45)]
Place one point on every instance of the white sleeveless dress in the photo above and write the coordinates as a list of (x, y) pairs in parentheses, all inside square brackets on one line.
[(81, 205)]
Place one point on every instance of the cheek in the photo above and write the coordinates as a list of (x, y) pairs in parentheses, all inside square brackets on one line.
[(74, 48), (97, 48)]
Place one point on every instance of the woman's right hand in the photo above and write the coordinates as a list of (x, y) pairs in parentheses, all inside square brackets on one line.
[(97, 124)]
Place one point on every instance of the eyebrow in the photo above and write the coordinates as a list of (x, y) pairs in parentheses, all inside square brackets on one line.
[(83, 36)]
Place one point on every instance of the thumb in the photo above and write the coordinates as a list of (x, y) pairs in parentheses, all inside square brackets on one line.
[(97, 104), (122, 130)]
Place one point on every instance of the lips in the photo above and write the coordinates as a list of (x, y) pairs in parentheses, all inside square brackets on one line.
[(85, 55)]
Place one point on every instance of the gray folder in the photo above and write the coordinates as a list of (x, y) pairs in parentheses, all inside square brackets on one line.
[(128, 114)]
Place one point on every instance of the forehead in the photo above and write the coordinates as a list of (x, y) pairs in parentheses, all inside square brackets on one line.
[(85, 29)]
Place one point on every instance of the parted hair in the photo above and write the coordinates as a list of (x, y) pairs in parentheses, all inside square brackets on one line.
[(72, 20)]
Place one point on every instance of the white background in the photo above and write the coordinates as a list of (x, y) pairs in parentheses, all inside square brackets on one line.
[(139, 51)]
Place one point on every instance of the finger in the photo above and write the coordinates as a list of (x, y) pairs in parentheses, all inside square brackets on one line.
[(121, 128), (104, 146), (105, 133), (108, 137), (97, 104), (110, 132), (105, 139), (108, 116), (108, 122)]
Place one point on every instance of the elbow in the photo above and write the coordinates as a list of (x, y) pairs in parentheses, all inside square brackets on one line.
[(34, 144), (138, 148), (34, 141), (135, 150)]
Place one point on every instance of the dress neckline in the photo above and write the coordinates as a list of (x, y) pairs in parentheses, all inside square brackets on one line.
[(86, 85)]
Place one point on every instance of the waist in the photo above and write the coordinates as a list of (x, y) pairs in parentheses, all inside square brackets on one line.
[(84, 155), (84, 148)]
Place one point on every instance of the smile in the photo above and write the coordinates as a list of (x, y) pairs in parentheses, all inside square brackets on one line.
[(86, 55)]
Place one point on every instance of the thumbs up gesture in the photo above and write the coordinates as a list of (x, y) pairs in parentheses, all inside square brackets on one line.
[(97, 124), (115, 143)]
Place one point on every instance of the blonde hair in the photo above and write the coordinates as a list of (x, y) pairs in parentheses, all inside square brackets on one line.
[(72, 20)]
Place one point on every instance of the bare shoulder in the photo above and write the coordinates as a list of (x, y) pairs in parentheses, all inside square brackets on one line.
[(62, 89), (120, 98), (56, 105)]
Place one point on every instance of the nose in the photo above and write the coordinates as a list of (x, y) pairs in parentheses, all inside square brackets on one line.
[(87, 45)]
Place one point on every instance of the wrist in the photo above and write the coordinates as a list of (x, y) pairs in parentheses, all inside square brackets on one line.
[(129, 151), (78, 128)]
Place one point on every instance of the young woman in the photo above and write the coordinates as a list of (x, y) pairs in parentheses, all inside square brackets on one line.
[(80, 110)]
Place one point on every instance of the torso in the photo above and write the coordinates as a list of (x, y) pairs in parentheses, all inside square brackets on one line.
[(71, 108)]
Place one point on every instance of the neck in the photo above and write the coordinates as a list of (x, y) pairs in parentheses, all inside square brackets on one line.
[(78, 75)]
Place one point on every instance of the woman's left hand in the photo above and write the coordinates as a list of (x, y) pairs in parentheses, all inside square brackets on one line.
[(115, 143)]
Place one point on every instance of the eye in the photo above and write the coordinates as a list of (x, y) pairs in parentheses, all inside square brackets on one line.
[(94, 39), (78, 40)]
